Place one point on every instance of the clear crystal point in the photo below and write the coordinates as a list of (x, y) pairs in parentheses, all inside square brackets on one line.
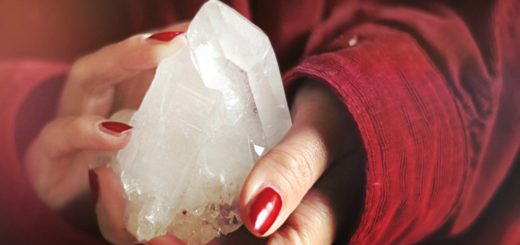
[(212, 109)]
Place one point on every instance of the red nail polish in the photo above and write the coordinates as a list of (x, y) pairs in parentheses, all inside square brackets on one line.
[(115, 127), (265, 210), (94, 185), (165, 36)]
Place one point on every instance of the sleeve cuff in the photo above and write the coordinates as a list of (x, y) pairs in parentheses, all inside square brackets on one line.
[(410, 128)]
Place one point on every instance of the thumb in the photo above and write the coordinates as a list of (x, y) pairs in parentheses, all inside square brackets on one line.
[(280, 179)]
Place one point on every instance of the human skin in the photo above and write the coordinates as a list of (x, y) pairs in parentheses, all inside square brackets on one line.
[(304, 172)]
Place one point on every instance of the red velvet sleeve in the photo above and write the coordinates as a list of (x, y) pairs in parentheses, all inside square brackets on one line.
[(431, 95), (29, 91)]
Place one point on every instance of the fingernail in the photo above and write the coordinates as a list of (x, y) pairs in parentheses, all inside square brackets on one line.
[(116, 128), (165, 36), (264, 210), (94, 185)]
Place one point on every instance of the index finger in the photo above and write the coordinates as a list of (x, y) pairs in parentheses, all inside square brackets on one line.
[(94, 75)]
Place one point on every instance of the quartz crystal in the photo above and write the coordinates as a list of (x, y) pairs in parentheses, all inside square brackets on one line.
[(213, 108)]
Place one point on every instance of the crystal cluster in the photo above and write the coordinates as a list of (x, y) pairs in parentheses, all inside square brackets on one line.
[(213, 108)]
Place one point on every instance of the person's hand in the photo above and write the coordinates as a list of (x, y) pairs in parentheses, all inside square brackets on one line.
[(306, 188), (58, 160), (316, 173), (100, 83)]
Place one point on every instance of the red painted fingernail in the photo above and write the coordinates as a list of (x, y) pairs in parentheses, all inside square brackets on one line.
[(115, 127), (165, 36), (94, 185), (264, 210)]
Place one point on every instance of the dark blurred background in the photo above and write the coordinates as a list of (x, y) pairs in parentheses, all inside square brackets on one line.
[(60, 29)]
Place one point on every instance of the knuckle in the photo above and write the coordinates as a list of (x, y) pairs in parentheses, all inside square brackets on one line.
[(76, 130), (83, 127), (290, 233), (295, 167), (80, 78), (53, 128), (51, 138), (77, 124), (79, 69), (316, 213), (310, 224)]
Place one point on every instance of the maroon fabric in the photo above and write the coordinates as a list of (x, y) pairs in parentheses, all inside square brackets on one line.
[(25, 219), (431, 86)]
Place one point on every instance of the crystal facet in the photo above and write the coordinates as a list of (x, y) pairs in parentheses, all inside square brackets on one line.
[(213, 108)]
